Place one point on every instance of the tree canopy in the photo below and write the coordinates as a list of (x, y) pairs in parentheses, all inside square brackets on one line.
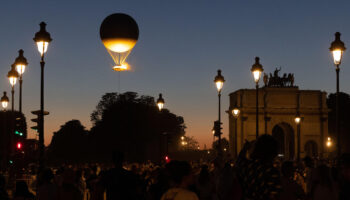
[(125, 122), (69, 143)]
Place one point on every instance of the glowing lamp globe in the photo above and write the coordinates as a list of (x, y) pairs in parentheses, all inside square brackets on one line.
[(235, 112), (160, 102), (12, 75), (219, 81), (42, 39), (4, 101), (337, 49), (257, 70), (329, 142), (20, 62)]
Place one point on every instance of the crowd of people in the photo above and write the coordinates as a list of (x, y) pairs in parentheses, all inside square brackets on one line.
[(256, 174)]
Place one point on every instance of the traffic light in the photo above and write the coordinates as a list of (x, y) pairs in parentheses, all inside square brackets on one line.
[(167, 159), (19, 127), (18, 133), (217, 128), (19, 146), (36, 120)]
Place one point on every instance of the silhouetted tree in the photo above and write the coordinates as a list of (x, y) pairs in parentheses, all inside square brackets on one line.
[(344, 119), (224, 144), (134, 125), (107, 100), (190, 143), (125, 122), (69, 143)]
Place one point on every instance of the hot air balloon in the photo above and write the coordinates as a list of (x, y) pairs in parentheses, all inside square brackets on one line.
[(119, 33)]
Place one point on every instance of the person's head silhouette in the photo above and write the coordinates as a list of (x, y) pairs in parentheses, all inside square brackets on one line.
[(118, 158), (265, 149)]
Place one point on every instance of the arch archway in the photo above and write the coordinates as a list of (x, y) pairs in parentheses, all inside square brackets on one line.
[(311, 148), (284, 134)]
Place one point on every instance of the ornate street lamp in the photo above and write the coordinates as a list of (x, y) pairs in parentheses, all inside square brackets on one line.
[(12, 75), (297, 120), (42, 40), (160, 102), (329, 145), (337, 49), (235, 113), (20, 63), (329, 142), (257, 70), (219, 82), (4, 101)]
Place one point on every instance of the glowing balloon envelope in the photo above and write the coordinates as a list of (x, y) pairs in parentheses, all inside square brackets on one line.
[(119, 33)]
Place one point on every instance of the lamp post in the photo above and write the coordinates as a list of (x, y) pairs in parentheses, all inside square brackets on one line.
[(297, 120), (257, 70), (235, 113), (4, 102), (213, 132), (337, 48), (329, 145), (42, 40), (20, 63), (160, 104), (219, 82), (12, 75)]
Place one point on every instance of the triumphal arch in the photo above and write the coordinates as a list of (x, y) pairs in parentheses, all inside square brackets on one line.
[(280, 101)]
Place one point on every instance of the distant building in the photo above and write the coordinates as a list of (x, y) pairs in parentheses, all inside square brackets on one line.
[(279, 103)]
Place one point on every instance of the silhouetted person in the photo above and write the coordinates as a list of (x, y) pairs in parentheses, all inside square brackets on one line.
[(120, 184), (309, 173), (205, 184), (94, 185), (323, 187), (258, 177), (344, 193), (182, 177), (291, 189), (69, 190), (80, 183), (227, 186), (3, 192), (47, 190), (161, 184), (22, 192)]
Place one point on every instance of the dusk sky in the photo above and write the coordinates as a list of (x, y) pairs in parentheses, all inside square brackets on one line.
[(181, 45)]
